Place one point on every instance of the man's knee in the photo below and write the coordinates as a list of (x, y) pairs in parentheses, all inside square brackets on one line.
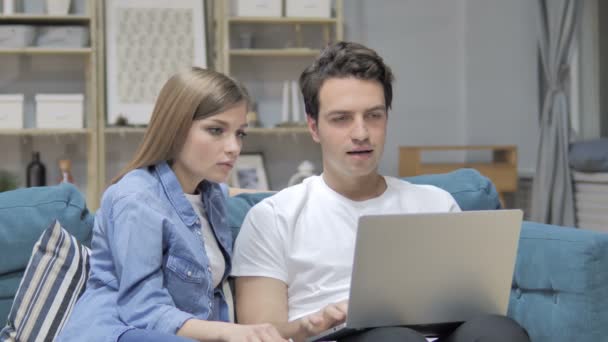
[(490, 328)]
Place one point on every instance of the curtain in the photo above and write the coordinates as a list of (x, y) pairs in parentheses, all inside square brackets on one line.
[(552, 189)]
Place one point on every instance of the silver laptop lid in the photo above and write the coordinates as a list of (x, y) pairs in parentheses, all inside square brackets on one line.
[(416, 269)]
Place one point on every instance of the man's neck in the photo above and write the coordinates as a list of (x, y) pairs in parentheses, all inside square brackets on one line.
[(356, 188)]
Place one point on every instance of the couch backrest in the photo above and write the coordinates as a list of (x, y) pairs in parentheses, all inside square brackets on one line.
[(469, 188), (25, 213)]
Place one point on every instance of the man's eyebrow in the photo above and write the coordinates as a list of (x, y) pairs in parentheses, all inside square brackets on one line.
[(378, 107), (339, 112), (344, 111)]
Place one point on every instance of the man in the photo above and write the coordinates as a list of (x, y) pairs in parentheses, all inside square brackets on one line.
[(293, 256)]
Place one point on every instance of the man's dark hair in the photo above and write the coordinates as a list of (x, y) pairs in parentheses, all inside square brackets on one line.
[(342, 60)]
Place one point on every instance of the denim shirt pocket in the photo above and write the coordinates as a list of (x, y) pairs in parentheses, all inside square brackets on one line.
[(187, 282), (185, 269)]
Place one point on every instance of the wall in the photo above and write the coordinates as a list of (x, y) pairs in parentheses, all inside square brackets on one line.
[(501, 76)]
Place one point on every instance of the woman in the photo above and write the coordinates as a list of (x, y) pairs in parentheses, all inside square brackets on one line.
[(161, 248)]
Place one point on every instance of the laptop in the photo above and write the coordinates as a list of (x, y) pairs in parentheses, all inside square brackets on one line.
[(430, 271)]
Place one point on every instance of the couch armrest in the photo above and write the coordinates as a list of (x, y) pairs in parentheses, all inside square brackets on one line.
[(26, 213), (560, 284)]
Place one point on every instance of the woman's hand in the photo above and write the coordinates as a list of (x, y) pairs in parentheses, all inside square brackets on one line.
[(202, 330), (251, 333)]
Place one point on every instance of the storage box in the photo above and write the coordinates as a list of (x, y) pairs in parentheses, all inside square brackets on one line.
[(16, 36), (308, 8), (259, 8), (59, 110), (63, 36), (11, 111), (34, 6)]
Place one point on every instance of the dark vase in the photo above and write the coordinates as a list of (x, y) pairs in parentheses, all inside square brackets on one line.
[(36, 172)]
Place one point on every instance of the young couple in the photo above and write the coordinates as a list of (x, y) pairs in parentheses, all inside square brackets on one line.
[(162, 250)]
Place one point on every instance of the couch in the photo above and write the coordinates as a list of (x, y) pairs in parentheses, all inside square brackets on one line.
[(559, 289)]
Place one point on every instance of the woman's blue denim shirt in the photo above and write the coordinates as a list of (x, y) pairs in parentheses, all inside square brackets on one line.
[(149, 267)]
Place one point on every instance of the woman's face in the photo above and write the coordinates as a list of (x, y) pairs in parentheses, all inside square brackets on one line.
[(211, 148)]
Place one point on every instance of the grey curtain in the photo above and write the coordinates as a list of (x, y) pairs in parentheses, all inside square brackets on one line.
[(552, 190)]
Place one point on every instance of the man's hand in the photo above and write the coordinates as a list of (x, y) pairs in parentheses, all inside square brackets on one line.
[(329, 316)]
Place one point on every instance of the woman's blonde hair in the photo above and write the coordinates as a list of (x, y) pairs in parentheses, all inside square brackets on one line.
[(187, 96)]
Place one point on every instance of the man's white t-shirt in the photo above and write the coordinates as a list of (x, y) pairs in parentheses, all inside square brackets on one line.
[(305, 237)]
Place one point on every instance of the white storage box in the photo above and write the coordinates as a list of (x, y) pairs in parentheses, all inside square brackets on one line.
[(11, 111), (16, 36), (308, 8), (63, 36), (59, 111), (34, 6), (259, 8)]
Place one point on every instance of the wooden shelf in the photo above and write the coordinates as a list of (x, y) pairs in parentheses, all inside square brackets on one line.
[(281, 20), (274, 52), (253, 130), (44, 19), (47, 51), (124, 130), (45, 131)]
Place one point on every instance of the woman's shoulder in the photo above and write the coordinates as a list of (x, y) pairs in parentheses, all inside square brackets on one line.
[(138, 184)]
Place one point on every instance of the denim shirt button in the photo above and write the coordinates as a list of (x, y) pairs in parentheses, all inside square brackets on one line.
[(198, 221), (189, 273)]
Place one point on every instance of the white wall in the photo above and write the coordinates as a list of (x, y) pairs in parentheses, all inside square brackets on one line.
[(502, 101), (423, 42)]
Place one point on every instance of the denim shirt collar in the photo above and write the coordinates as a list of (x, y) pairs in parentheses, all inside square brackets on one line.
[(175, 193), (211, 195)]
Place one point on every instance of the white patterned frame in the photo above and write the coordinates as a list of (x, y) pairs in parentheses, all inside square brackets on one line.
[(148, 41)]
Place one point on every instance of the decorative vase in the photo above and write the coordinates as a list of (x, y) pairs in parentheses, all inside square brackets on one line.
[(36, 172)]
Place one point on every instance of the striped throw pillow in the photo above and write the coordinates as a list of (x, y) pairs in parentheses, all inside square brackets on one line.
[(54, 279)]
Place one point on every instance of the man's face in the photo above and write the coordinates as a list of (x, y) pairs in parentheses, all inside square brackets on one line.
[(351, 126)]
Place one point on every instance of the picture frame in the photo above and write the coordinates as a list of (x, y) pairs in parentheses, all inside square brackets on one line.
[(147, 41), (250, 172)]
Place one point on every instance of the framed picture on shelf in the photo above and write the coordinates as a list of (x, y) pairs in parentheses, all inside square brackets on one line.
[(147, 41), (250, 172)]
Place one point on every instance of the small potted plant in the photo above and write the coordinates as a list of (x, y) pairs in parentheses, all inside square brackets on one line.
[(8, 181)]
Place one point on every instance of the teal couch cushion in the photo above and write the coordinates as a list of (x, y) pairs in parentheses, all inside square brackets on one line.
[(560, 284), (470, 189), (25, 214)]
